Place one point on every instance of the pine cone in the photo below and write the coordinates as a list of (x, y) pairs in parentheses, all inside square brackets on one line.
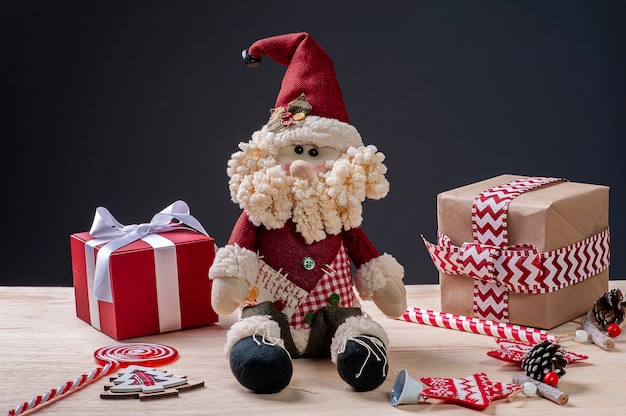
[(542, 358), (610, 308)]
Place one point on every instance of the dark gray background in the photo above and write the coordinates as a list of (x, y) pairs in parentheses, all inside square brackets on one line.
[(133, 105)]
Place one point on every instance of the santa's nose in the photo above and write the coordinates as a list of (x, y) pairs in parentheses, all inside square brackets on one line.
[(301, 169)]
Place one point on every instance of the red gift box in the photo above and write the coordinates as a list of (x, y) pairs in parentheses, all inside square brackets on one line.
[(158, 283)]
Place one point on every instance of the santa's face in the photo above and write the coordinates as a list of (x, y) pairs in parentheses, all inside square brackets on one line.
[(319, 188), (306, 161)]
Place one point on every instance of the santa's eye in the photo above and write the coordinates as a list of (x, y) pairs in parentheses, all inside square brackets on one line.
[(299, 150), (313, 152)]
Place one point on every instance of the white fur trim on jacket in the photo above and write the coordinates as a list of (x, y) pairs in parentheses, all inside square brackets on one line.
[(374, 274), (266, 329), (354, 326), (320, 131), (235, 261)]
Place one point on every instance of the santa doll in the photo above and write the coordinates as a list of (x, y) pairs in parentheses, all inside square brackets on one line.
[(300, 182)]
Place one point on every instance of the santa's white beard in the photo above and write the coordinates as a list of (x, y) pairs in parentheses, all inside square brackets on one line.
[(325, 205), (314, 211)]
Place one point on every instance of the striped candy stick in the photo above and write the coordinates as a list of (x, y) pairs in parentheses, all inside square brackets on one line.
[(476, 325), (111, 358), (65, 388)]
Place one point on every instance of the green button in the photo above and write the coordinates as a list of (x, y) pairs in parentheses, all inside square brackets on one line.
[(308, 263), (334, 299), (308, 318)]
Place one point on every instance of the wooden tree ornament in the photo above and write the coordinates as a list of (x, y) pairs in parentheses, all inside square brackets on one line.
[(145, 383)]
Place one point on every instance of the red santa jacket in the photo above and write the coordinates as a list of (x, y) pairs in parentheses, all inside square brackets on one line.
[(284, 249)]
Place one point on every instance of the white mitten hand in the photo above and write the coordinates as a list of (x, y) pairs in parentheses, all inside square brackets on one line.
[(391, 298), (227, 293)]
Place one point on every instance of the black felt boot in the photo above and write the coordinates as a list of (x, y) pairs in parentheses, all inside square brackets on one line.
[(261, 367), (363, 363)]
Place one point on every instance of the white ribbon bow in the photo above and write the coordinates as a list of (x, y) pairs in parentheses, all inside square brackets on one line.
[(106, 227)]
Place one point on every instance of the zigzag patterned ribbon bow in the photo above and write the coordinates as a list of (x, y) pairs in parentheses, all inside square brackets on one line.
[(498, 268)]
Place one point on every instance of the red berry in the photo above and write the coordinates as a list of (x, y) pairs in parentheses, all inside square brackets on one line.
[(551, 378), (613, 330)]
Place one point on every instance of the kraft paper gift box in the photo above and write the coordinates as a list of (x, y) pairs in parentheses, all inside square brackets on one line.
[(543, 259), (156, 283)]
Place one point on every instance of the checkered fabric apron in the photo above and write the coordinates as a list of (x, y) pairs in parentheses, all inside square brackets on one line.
[(337, 280)]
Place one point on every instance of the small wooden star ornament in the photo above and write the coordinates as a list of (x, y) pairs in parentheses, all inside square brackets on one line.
[(475, 391)]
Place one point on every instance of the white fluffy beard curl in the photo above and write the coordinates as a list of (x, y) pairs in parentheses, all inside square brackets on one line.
[(259, 186), (326, 205)]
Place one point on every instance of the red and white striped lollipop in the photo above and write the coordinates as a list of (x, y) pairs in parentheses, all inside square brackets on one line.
[(136, 354), (111, 358)]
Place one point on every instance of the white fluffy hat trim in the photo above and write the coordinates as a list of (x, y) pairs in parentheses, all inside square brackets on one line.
[(314, 130)]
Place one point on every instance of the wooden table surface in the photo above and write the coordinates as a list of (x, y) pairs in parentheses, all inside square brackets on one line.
[(43, 344)]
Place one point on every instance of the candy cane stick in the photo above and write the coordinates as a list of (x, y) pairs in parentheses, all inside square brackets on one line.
[(65, 388), (476, 325), (111, 358)]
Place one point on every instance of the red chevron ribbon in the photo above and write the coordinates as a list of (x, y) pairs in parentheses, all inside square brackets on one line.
[(489, 227), (491, 301), (490, 209), (525, 270), (498, 268)]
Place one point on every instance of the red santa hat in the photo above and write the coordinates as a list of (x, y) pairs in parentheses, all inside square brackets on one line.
[(309, 108)]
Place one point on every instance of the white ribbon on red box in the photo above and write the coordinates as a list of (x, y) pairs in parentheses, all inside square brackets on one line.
[(114, 235)]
